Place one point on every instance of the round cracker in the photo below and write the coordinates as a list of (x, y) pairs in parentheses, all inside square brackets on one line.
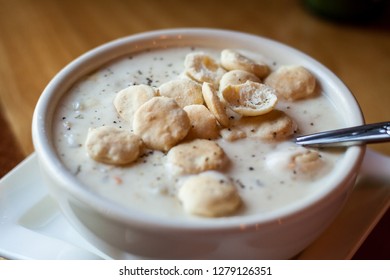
[(112, 145), (250, 98), (209, 194), (292, 82), (161, 123), (214, 104), (233, 60), (301, 163), (276, 125), (236, 77), (203, 123), (196, 156), (128, 100), (185, 92), (203, 68)]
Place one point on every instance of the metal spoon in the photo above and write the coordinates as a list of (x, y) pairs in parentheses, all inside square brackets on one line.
[(363, 134)]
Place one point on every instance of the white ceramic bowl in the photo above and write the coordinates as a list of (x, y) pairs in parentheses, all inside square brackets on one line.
[(121, 233)]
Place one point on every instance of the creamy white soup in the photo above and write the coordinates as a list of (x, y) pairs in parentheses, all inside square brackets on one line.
[(148, 184)]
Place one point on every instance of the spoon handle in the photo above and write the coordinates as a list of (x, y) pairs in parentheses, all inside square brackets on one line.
[(363, 134)]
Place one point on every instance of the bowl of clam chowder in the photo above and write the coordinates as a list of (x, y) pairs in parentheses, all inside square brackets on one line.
[(178, 144)]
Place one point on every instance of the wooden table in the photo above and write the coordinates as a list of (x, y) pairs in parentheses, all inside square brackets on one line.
[(39, 37)]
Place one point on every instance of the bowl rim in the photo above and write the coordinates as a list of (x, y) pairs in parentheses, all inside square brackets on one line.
[(92, 59)]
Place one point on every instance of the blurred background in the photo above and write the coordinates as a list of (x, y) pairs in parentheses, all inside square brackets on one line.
[(39, 37)]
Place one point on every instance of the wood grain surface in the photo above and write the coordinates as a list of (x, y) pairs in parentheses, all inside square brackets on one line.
[(39, 37)]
